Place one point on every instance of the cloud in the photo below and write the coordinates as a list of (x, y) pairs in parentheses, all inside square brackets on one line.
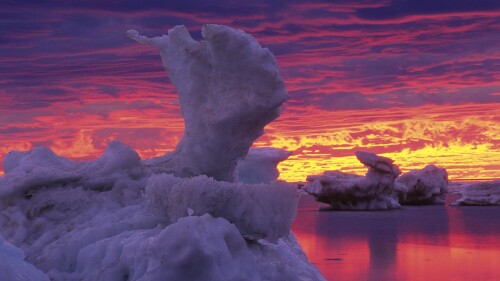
[(358, 72), (19, 130), (356, 100), (402, 8)]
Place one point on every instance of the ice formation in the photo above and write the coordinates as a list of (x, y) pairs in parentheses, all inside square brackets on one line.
[(229, 89), (260, 165), (202, 195), (41, 167), (480, 194), (374, 191), (115, 220), (120, 218), (421, 187)]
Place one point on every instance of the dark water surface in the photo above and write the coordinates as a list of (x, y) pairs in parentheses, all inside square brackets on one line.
[(415, 243)]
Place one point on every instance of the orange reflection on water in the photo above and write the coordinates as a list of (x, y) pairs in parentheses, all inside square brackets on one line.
[(337, 260), (416, 243), (442, 262), (333, 257)]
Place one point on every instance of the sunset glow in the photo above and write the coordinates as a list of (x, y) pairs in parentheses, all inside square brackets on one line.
[(460, 138), (417, 84)]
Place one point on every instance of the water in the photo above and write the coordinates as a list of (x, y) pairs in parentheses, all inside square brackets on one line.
[(415, 243)]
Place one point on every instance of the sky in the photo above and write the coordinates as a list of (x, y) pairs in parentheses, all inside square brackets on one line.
[(417, 81)]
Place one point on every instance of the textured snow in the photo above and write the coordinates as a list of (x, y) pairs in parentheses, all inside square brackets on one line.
[(120, 218), (115, 220), (374, 191), (421, 187), (229, 89), (480, 194), (203, 248), (244, 205), (260, 165), (13, 267), (42, 167)]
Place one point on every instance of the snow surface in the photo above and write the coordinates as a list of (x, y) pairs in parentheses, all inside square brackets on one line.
[(423, 187), (42, 167), (260, 165), (13, 267), (242, 204), (120, 218), (229, 89), (375, 191), (479, 194), (115, 220)]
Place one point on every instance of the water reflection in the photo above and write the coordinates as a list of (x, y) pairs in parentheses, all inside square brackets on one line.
[(383, 248), (417, 243)]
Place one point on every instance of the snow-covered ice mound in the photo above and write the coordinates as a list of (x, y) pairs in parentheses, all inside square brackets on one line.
[(259, 211), (421, 187), (342, 191), (96, 225), (260, 165), (480, 194), (41, 167), (229, 89)]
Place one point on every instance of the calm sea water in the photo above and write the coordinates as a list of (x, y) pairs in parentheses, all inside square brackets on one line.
[(415, 243)]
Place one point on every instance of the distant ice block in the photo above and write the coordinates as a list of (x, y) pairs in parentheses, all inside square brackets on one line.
[(422, 187), (342, 191), (260, 165), (479, 194), (376, 163), (229, 89)]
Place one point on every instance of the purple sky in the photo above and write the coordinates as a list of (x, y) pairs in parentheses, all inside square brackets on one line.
[(70, 78)]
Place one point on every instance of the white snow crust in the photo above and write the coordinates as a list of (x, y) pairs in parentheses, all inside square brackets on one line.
[(260, 211), (260, 165), (113, 219), (169, 218), (479, 194), (374, 191), (229, 89), (13, 267), (427, 186)]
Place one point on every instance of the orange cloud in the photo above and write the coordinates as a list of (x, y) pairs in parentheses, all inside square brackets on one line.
[(458, 138)]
